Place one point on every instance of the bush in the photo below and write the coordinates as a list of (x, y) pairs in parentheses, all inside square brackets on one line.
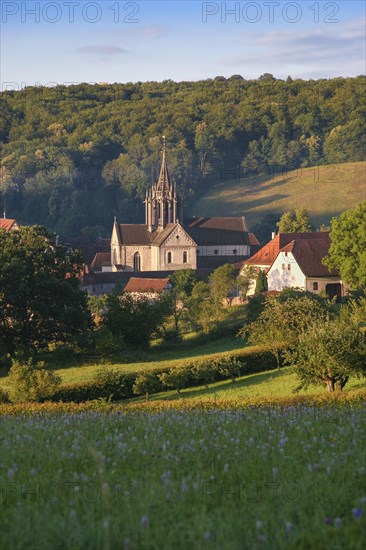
[(117, 386), (107, 384), (146, 383), (176, 378), (4, 396), (32, 382)]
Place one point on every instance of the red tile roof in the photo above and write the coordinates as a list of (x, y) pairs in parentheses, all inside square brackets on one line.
[(101, 259), (268, 253), (7, 224), (308, 254), (145, 285)]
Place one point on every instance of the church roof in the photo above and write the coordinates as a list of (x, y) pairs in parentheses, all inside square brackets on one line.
[(203, 231), (216, 231)]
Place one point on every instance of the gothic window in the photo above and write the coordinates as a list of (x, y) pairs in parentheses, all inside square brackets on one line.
[(137, 262), (185, 259), (169, 257)]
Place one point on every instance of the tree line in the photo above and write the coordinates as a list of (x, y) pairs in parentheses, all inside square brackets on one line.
[(73, 157)]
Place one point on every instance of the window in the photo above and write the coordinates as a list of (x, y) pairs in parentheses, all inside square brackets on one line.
[(216, 251), (286, 254), (289, 267), (235, 251), (315, 286), (184, 257), (136, 262), (197, 252), (283, 266), (169, 258)]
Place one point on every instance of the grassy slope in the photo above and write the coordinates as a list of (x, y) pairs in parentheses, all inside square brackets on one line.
[(156, 360), (324, 191), (267, 384)]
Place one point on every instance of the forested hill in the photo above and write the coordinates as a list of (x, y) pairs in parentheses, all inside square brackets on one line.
[(73, 157)]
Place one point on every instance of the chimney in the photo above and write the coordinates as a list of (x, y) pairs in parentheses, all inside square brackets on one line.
[(273, 235)]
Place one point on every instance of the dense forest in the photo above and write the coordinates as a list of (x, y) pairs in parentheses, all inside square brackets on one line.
[(73, 157)]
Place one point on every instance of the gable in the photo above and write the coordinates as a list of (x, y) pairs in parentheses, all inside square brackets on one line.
[(176, 236)]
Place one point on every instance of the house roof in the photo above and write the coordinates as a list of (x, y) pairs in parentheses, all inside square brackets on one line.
[(268, 253), (100, 259), (146, 285), (216, 231), (7, 224), (308, 254)]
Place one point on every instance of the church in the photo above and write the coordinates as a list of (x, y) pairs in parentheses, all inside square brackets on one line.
[(167, 242)]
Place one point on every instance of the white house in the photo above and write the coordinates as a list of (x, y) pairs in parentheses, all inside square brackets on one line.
[(299, 265)]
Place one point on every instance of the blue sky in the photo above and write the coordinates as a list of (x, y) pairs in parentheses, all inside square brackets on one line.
[(66, 41)]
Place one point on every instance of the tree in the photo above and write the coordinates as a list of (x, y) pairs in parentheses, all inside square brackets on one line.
[(282, 322), (328, 353), (297, 222), (201, 312), (246, 279), (183, 282), (347, 252), (261, 284), (222, 281), (40, 299), (133, 320)]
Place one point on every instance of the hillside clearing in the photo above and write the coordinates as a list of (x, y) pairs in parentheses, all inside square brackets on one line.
[(325, 191)]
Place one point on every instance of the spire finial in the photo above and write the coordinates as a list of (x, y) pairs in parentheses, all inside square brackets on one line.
[(164, 146)]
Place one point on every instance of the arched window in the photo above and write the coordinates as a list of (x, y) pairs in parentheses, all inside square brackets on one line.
[(185, 258), (169, 257), (137, 262)]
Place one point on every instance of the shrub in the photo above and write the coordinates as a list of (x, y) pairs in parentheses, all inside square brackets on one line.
[(32, 382), (108, 385), (176, 378), (146, 383), (4, 396)]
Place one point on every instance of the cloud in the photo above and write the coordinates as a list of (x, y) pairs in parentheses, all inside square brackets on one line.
[(100, 49), (331, 47)]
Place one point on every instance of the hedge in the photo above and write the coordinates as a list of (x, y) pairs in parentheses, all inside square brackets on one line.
[(188, 373)]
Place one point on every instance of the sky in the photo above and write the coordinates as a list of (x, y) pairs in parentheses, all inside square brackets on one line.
[(73, 41)]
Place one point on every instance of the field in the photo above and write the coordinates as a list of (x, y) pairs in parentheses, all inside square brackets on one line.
[(271, 384), (325, 191), (266, 478)]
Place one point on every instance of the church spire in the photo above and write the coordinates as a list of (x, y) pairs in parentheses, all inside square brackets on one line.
[(163, 184)]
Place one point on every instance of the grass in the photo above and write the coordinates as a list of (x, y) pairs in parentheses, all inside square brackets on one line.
[(264, 479), (324, 191), (278, 383), (154, 360)]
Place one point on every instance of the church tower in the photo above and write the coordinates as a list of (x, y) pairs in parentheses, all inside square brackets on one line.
[(161, 200)]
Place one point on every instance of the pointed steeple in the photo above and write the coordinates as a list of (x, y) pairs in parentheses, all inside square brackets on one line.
[(163, 183)]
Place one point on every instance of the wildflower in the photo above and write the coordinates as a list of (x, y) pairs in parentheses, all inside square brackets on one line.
[(144, 522), (328, 520), (288, 527), (357, 512), (127, 544), (259, 524), (207, 535), (337, 522)]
